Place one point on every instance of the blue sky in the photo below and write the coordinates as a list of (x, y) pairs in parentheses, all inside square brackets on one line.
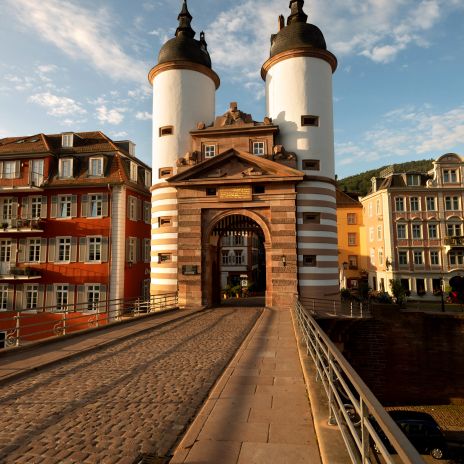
[(77, 65)]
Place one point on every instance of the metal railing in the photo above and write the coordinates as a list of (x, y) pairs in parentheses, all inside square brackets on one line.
[(336, 308), (28, 325), (363, 422)]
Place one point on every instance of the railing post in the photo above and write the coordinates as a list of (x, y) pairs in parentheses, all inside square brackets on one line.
[(64, 319), (18, 328), (334, 308), (314, 306), (332, 420), (351, 308), (361, 308), (364, 433)]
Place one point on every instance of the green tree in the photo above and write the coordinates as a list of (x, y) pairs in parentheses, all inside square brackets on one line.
[(399, 292)]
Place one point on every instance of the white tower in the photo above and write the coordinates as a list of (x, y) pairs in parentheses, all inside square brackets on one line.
[(299, 100), (184, 90)]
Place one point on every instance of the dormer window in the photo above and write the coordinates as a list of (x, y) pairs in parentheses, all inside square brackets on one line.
[(66, 168), (96, 167), (450, 176), (67, 140), (209, 151), (147, 178), (133, 171), (259, 148), (413, 179)]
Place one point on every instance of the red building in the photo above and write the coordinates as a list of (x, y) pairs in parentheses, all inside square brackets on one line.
[(74, 224)]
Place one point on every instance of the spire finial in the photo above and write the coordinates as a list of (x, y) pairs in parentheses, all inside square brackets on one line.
[(297, 14), (185, 19)]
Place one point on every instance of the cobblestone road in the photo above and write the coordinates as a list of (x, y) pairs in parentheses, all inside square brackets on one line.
[(131, 398)]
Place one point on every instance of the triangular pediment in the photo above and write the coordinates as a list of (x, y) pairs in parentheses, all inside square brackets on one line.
[(233, 166)]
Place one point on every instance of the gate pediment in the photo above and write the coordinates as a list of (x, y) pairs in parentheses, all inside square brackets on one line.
[(233, 166)]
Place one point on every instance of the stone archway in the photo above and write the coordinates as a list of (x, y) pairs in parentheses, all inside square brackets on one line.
[(239, 221)]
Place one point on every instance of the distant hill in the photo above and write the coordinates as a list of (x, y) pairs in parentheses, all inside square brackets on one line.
[(361, 183)]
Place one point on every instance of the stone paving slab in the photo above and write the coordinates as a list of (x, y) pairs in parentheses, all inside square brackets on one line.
[(258, 412), (124, 400)]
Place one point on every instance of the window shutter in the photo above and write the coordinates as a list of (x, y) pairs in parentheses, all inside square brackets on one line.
[(85, 206), (40, 296), (51, 252), (104, 250), (50, 301), (19, 297), (71, 299), (129, 203), (1, 169), (82, 249), (81, 300), (139, 209), (43, 210), (22, 250), (105, 205), (128, 244), (18, 169), (103, 298), (14, 247), (73, 249), (54, 208), (25, 207), (74, 206), (9, 303), (15, 208), (43, 250), (137, 250)]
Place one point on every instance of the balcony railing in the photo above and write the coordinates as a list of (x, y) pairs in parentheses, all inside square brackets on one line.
[(454, 241), (21, 225), (19, 273)]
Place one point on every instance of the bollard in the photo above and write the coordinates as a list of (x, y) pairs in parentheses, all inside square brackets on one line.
[(351, 309)]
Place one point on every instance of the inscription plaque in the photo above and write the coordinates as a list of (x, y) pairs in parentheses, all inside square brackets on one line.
[(244, 193)]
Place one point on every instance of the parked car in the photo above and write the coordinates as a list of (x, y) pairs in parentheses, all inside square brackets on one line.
[(422, 431)]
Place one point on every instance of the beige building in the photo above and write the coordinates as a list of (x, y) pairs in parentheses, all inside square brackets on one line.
[(414, 227)]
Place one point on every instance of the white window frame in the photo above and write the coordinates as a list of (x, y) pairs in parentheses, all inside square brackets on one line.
[(148, 178), (418, 254), (31, 297), (36, 204), (225, 257), (351, 218), (259, 147), (450, 176), (96, 198), (413, 180), (456, 229), (37, 244), (7, 208), (435, 228), (37, 172), (93, 298), (146, 212), (61, 296), (64, 201), (452, 202), (415, 204), (239, 257), (404, 228), (379, 233), (414, 229), (4, 293), (132, 208), (209, 151), (61, 168), (9, 169), (66, 250), (95, 247), (434, 205), (371, 234), (67, 140), (399, 204), (96, 161), (352, 238)]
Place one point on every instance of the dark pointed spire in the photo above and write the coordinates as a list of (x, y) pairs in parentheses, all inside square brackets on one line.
[(185, 19), (297, 14)]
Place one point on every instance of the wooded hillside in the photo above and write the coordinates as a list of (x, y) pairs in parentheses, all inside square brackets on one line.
[(361, 183)]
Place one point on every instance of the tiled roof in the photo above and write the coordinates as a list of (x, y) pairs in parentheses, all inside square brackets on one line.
[(346, 199)]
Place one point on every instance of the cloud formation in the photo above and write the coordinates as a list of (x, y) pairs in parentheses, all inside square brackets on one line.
[(82, 34), (114, 116), (56, 105)]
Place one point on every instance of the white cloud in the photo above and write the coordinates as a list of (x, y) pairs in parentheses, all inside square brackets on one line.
[(82, 34), (143, 116), (119, 135), (112, 116), (407, 132), (56, 105), (47, 68)]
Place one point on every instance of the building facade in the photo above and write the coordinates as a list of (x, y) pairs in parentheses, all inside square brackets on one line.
[(350, 237), (414, 227), (216, 175), (74, 223)]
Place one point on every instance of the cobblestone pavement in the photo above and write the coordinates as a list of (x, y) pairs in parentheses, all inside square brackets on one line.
[(131, 398)]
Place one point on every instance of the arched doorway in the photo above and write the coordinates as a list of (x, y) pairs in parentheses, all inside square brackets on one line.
[(236, 260)]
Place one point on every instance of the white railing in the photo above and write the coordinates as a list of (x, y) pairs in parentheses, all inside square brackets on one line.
[(362, 421), (25, 326), (335, 308)]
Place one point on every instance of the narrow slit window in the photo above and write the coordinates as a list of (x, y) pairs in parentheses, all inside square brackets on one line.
[(166, 130), (165, 221), (310, 260), (311, 165), (311, 218), (310, 120), (164, 258), (165, 172), (259, 189)]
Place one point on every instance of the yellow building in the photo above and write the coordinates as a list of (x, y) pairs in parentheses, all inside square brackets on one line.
[(350, 239)]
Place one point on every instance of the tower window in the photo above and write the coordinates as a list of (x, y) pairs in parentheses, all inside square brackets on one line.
[(211, 192), (310, 260), (311, 165), (258, 189), (164, 258), (164, 221), (312, 218), (165, 172), (308, 120), (166, 130)]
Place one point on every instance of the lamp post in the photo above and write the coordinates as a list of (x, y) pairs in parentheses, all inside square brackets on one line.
[(442, 294)]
